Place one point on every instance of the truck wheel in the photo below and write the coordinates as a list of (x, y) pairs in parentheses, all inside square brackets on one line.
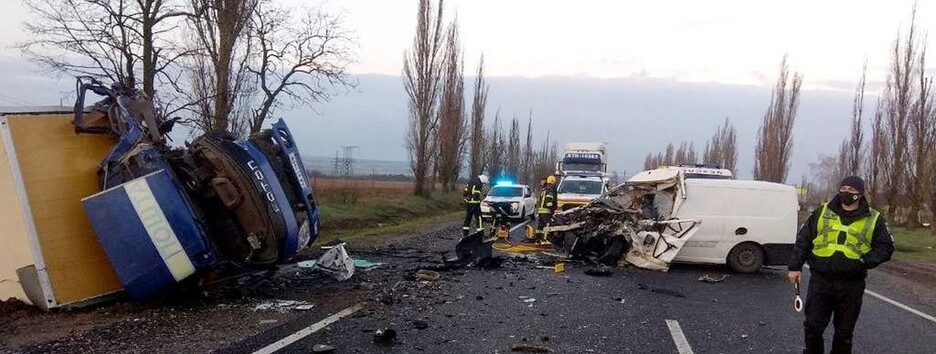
[(746, 258)]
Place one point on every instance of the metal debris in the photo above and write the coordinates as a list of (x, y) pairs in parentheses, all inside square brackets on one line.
[(709, 279), (530, 348), (634, 222)]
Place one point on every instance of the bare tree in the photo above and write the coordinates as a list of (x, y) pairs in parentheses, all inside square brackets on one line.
[(528, 154), (422, 73), (513, 149), (856, 139), (495, 152), (450, 138), (125, 41), (478, 105), (669, 156), (879, 155), (898, 97), (220, 74), (921, 127), (722, 148), (298, 56), (775, 136)]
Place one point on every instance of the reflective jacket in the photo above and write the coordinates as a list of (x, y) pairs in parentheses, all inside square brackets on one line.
[(472, 193), (547, 200), (858, 234)]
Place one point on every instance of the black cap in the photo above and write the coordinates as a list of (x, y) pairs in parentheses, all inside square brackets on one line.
[(854, 182)]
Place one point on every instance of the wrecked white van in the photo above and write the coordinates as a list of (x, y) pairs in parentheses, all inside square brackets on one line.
[(745, 224), (660, 216)]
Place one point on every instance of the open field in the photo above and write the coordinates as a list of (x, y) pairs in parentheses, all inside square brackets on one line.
[(914, 245), (352, 209)]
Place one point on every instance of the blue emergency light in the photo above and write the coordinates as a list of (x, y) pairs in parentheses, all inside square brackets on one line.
[(504, 183)]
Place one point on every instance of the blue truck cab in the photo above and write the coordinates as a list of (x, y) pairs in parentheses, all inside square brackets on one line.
[(167, 214)]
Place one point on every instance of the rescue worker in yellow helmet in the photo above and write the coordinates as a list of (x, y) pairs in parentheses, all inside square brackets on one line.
[(471, 195), (545, 207), (841, 240)]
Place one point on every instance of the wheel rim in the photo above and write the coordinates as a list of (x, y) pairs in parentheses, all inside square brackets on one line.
[(747, 258)]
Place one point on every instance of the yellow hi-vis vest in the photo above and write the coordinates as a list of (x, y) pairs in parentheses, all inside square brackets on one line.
[(546, 202), (857, 235), (471, 194)]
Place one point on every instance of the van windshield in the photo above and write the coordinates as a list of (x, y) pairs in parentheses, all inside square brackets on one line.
[(501, 191), (581, 187)]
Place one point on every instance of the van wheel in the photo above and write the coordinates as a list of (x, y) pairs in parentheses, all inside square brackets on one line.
[(746, 258)]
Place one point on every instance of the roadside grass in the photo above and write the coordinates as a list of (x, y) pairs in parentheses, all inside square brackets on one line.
[(914, 245), (356, 210)]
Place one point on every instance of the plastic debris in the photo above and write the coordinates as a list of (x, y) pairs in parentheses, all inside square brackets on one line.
[(385, 336), (420, 324), (283, 305), (709, 279), (322, 348), (337, 263)]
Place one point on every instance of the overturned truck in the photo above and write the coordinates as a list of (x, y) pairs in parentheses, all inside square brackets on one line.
[(165, 215)]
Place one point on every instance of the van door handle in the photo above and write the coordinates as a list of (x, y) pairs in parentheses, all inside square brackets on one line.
[(741, 231)]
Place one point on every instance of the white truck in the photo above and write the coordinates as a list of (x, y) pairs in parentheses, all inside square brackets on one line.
[(582, 174), (584, 157)]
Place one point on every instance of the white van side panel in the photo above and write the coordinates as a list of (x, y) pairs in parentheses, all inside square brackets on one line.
[(766, 211)]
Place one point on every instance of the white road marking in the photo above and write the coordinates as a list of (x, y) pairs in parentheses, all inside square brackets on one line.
[(905, 307), (305, 332), (682, 345)]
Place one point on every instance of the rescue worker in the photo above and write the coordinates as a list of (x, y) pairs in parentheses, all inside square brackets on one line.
[(472, 197), (841, 240), (546, 207)]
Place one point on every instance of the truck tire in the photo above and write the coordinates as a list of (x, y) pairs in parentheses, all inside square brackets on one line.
[(746, 257)]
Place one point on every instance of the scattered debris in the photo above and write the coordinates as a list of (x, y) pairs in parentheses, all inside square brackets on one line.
[(263, 322), (632, 222), (491, 262), (479, 297), (599, 272), (529, 300), (337, 263), (557, 268), (283, 305), (709, 279), (322, 348), (385, 336), (420, 324), (530, 348), (427, 275), (366, 264), (660, 290)]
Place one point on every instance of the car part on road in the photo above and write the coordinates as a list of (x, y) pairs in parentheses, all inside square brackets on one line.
[(530, 348), (599, 272), (420, 324), (660, 290), (337, 263), (322, 348), (385, 336), (709, 279)]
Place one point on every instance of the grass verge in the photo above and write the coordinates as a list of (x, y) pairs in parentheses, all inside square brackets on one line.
[(355, 214), (914, 245)]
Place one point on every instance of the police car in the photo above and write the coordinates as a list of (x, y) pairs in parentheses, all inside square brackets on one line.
[(517, 200)]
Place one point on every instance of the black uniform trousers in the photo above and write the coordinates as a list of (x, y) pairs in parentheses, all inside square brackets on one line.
[(838, 300), (472, 218)]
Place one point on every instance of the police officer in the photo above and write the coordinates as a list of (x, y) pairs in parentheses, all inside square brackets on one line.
[(841, 240), (546, 207), (472, 197)]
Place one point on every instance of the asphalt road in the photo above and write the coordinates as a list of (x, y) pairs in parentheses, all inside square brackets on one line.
[(630, 311)]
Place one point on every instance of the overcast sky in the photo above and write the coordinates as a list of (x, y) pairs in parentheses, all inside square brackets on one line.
[(725, 42), (738, 42)]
